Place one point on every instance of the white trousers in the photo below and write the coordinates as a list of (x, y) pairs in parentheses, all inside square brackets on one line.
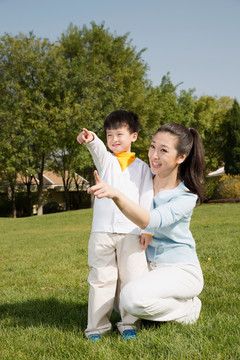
[(114, 260), (167, 292)]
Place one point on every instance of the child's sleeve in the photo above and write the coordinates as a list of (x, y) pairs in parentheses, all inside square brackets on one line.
[(99, 154)]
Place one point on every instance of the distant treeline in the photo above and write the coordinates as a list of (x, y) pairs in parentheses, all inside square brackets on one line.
[(50, 91)]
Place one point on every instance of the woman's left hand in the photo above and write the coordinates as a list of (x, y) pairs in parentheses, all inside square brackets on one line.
[(145, 241)]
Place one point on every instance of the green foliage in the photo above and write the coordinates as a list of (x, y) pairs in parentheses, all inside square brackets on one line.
[(232, 147), (103, 73), (210, 186), (51, 207), (228, 187), (210, 119), (50, 91), (44, 293), (21, 203), (107, 74), (165, 105), (5, 205), (28, 111)]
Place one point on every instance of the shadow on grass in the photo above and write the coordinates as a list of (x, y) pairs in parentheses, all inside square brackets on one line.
[(50, 312), (66, 316), (148, 324)]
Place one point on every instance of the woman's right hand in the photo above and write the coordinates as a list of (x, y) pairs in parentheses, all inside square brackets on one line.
[(101, 189), (129, 208)]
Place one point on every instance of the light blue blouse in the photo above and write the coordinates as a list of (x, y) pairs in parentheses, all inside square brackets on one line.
[(169, 222)]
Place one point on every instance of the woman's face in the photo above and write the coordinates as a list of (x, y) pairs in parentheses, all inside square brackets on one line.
[(162, 154)]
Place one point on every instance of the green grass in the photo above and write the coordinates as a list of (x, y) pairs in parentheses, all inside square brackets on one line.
[(44, 291)]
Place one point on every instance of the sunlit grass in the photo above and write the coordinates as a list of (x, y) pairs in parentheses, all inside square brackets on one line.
[(44, 292)]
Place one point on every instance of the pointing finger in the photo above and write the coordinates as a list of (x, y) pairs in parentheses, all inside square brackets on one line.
[(97, 177)]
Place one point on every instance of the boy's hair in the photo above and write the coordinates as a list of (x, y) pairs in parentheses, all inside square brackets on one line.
[(120, 118)]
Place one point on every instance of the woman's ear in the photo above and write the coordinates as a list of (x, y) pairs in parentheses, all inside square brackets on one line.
[(181, 158)]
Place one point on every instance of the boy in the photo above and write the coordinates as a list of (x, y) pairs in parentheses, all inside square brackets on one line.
[(114, 251)]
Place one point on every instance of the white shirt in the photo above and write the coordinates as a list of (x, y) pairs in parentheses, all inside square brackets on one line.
[(135, 182)]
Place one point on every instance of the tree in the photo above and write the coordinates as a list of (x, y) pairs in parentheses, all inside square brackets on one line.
[(58, 88), (232, 147), (12, 149), (104, 73), (49, 92), (29, 69), (210, 116)]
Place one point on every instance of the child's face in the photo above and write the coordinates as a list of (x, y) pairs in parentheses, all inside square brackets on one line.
[(120, 140), (163, 157)]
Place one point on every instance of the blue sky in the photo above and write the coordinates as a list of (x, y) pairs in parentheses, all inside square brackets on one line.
[(197, 41)]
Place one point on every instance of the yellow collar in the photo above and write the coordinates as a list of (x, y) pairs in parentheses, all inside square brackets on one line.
[(125, 159)]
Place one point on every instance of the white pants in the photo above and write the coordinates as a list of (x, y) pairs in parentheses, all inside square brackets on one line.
[(167, 292), (113, 259)]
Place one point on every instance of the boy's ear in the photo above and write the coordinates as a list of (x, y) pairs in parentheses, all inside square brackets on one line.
[(134, 136)]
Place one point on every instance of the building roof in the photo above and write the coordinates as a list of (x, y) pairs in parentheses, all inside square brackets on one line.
[(52, 180), (218, 172)]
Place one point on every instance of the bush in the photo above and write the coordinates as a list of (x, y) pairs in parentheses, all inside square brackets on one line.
[(210, 186), (5, 205), (22, 203), (228, 187), (51, 207)]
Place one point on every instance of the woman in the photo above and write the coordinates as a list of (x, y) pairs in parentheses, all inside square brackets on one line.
[(169, 290)]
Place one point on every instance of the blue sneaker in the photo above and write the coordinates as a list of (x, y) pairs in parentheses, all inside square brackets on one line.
[(94, 337), (129, 334)]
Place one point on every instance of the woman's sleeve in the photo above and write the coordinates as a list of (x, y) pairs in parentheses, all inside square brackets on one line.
[(167, 214)]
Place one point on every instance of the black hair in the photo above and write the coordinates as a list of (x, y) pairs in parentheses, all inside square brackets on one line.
[(189, 143), (120, 118)]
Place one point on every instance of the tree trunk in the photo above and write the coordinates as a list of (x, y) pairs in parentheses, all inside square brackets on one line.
[(13, 200), (40, 187), (78, 200), (66, 195), (29, 196), (40, 198)]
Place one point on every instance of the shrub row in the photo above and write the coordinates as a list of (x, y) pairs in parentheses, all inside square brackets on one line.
[(225, 187)]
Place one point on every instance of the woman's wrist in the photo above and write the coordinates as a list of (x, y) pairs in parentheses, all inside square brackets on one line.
[(115, 195)]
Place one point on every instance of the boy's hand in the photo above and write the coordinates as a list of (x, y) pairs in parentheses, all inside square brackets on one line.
[(85, 137), (145, 241)]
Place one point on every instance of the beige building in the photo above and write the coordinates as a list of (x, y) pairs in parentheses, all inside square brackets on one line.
[(53, 189)]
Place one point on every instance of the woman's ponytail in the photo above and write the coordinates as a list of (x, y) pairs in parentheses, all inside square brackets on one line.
[(191, 170)]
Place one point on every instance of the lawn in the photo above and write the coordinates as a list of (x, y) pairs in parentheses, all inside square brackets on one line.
[(44, 291)]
